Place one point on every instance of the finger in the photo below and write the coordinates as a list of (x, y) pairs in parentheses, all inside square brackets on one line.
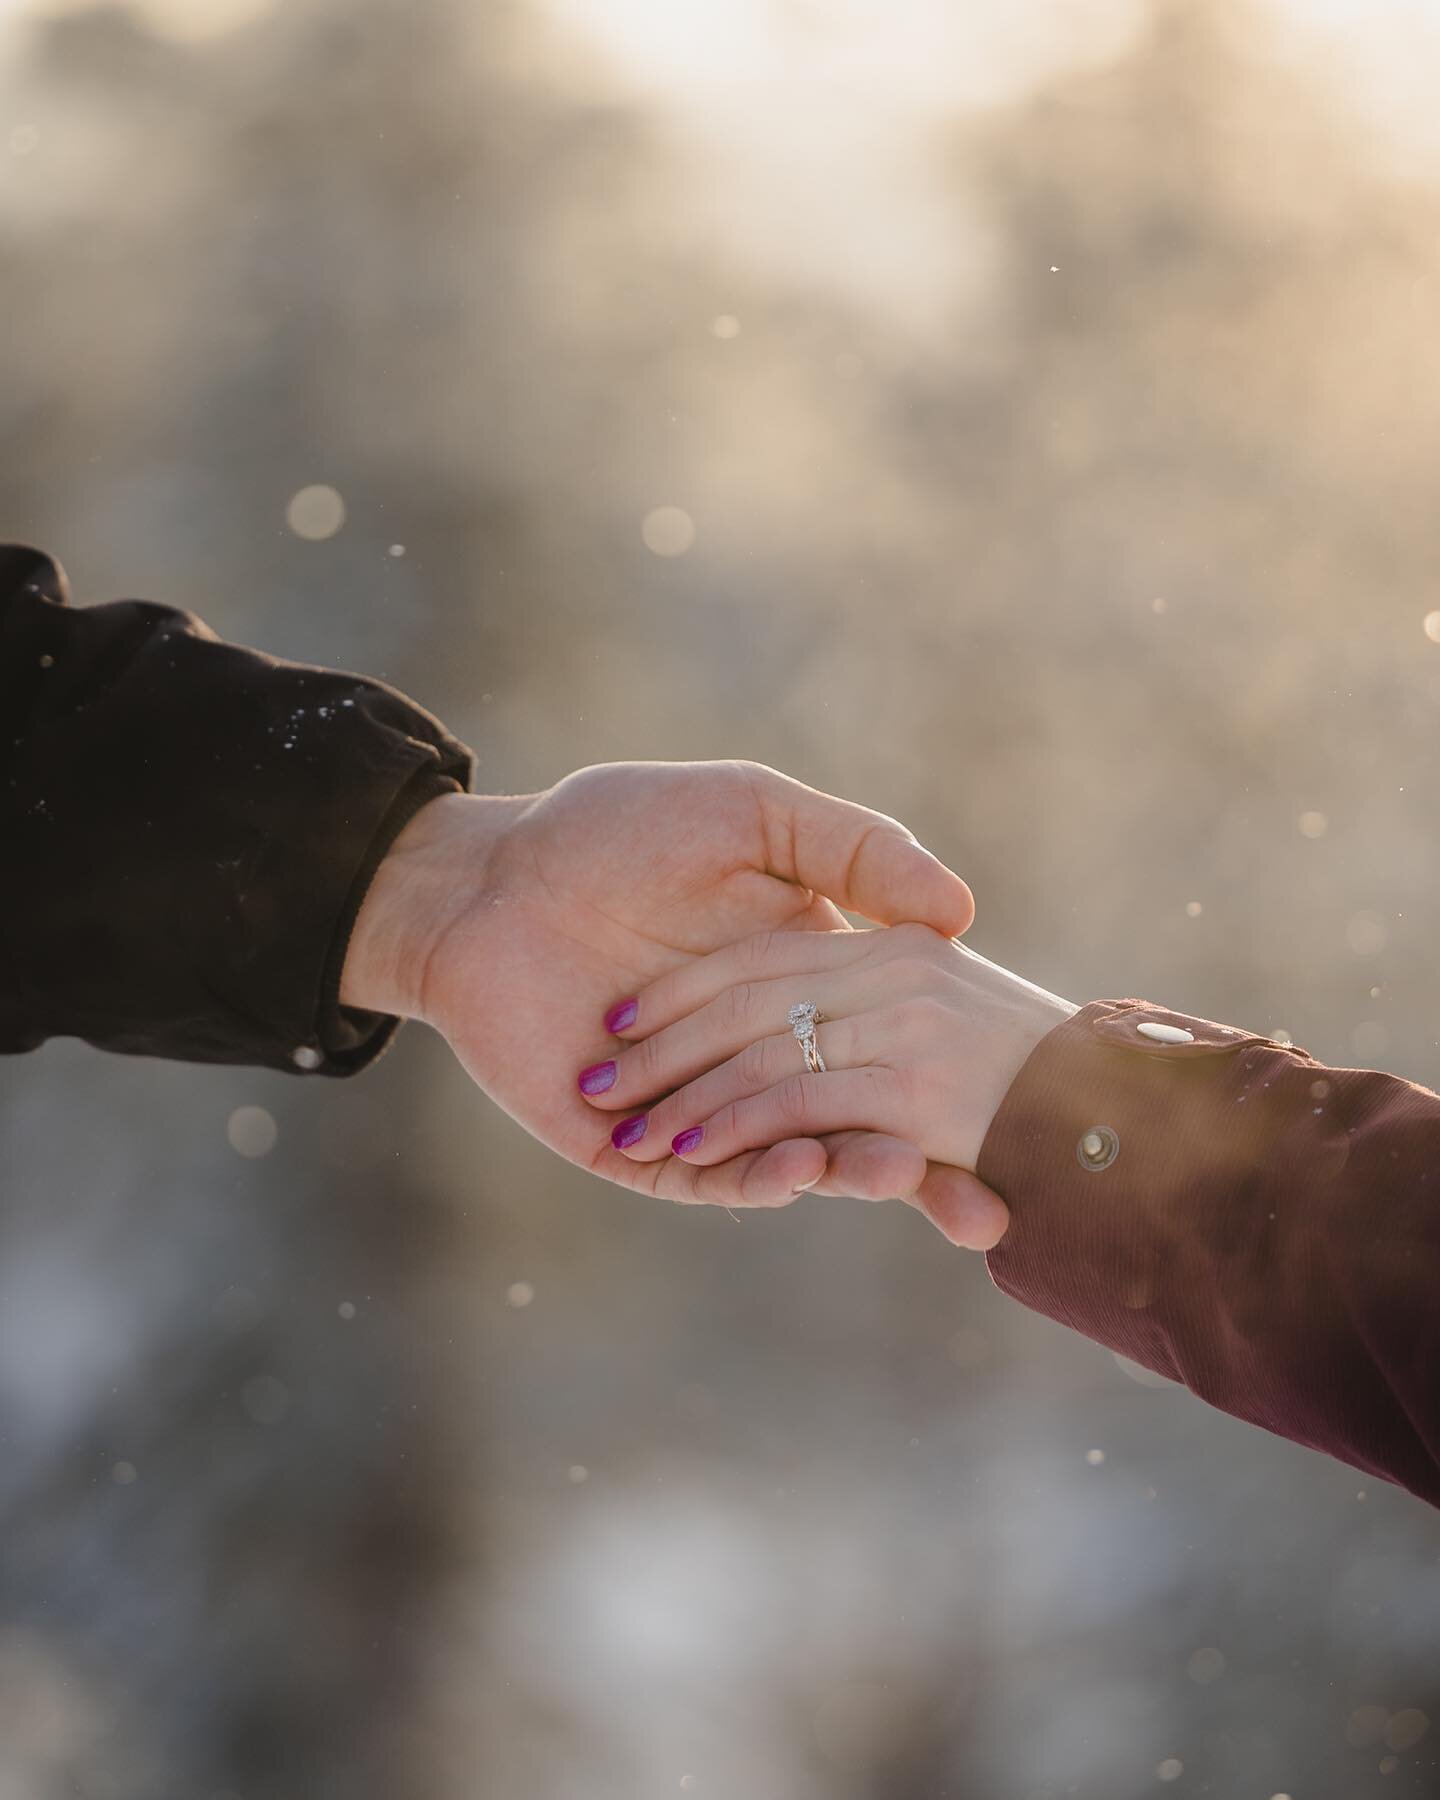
[(803, 1105), (800, 945), (772, 1177), (745, 1033), (761, 1065), (870, 1165), (961, 1207), (864, 861), (781, 954), (767, 955), (873, 1166), (768, 1177), (820, 915)]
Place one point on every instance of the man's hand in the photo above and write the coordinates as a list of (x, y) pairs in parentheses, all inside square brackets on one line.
[(514, 926)]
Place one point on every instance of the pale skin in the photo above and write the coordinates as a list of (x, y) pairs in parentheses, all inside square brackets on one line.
[(921, 1038), (513, 926)]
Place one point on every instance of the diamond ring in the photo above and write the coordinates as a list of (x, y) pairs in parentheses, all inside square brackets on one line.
[(804, 1017)]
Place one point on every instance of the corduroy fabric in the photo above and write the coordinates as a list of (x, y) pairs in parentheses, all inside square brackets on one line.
[(1268, 1233)]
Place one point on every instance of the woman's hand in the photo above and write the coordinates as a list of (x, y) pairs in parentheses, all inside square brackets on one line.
[(921, 1039)]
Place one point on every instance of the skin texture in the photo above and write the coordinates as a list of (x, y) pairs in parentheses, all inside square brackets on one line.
[(921, 1038), (514, 926)]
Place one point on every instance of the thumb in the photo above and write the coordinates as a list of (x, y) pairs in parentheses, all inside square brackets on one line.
[(864, 861), (961, 1207)]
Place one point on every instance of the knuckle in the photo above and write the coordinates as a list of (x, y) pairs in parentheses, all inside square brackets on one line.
[(911, 970), (792, 1099), (748, 767), (900, 1087), (752, 1064), (840, 1042), (753, 954), (752, 1184), (914, 940), (726, 1183), (909, 935), (758, 1190), (854, 1043), (879, 1085), (720, 1127), (849, 1168), (885, 1170), (681, 1187), (919, 1019), (735, 1007), (646, 1060)]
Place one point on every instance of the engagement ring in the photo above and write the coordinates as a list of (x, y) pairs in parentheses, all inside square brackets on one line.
[(804, 1017)]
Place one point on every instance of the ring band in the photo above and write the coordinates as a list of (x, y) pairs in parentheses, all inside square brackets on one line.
[(804, 1017)]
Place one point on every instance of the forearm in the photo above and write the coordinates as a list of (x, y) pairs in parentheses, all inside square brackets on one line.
[(1238, 1217)]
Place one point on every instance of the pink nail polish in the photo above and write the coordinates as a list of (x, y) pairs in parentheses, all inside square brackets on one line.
[(599, 1078), (622, 1016), (629, 1131), (686, 1141)]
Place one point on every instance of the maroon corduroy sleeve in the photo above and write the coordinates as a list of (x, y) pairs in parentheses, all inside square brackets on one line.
[(1234, 1215)]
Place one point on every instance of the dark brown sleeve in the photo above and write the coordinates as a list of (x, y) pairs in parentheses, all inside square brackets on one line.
[(187, 829), (1234, 1215)]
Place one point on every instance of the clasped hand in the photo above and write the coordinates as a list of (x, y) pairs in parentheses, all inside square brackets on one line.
[(710, 895), (921, 1040)]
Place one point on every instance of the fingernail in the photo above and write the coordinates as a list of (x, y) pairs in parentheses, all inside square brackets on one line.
[(622, 1016), (687, 1141), (599, 1078), (805, 1186), (629, 1131)]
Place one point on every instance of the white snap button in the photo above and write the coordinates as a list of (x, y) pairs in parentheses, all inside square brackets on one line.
[(1165, 1034), (1098, 1147), (306, 1057)]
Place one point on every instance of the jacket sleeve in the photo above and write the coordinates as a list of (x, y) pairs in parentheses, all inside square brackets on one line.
[(187, 831), (1234, 1215)]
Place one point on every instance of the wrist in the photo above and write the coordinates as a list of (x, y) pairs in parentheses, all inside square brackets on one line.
[(432, 872), (1006, 1019), (1035, 1016)]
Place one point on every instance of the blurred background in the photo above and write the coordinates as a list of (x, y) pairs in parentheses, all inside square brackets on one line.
[(1019, 416)]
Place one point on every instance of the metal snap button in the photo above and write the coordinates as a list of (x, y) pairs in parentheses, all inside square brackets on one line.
[(306, 1057), (1098, 1147), (1165, 1034)]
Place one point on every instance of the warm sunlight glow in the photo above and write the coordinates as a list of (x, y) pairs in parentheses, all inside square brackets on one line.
[(1379, 57), (929, 53), (800, 122), (188, 20)]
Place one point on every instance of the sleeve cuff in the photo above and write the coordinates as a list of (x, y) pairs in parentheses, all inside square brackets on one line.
[(1227, 1211), (1107, 1152), (194, 825)]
